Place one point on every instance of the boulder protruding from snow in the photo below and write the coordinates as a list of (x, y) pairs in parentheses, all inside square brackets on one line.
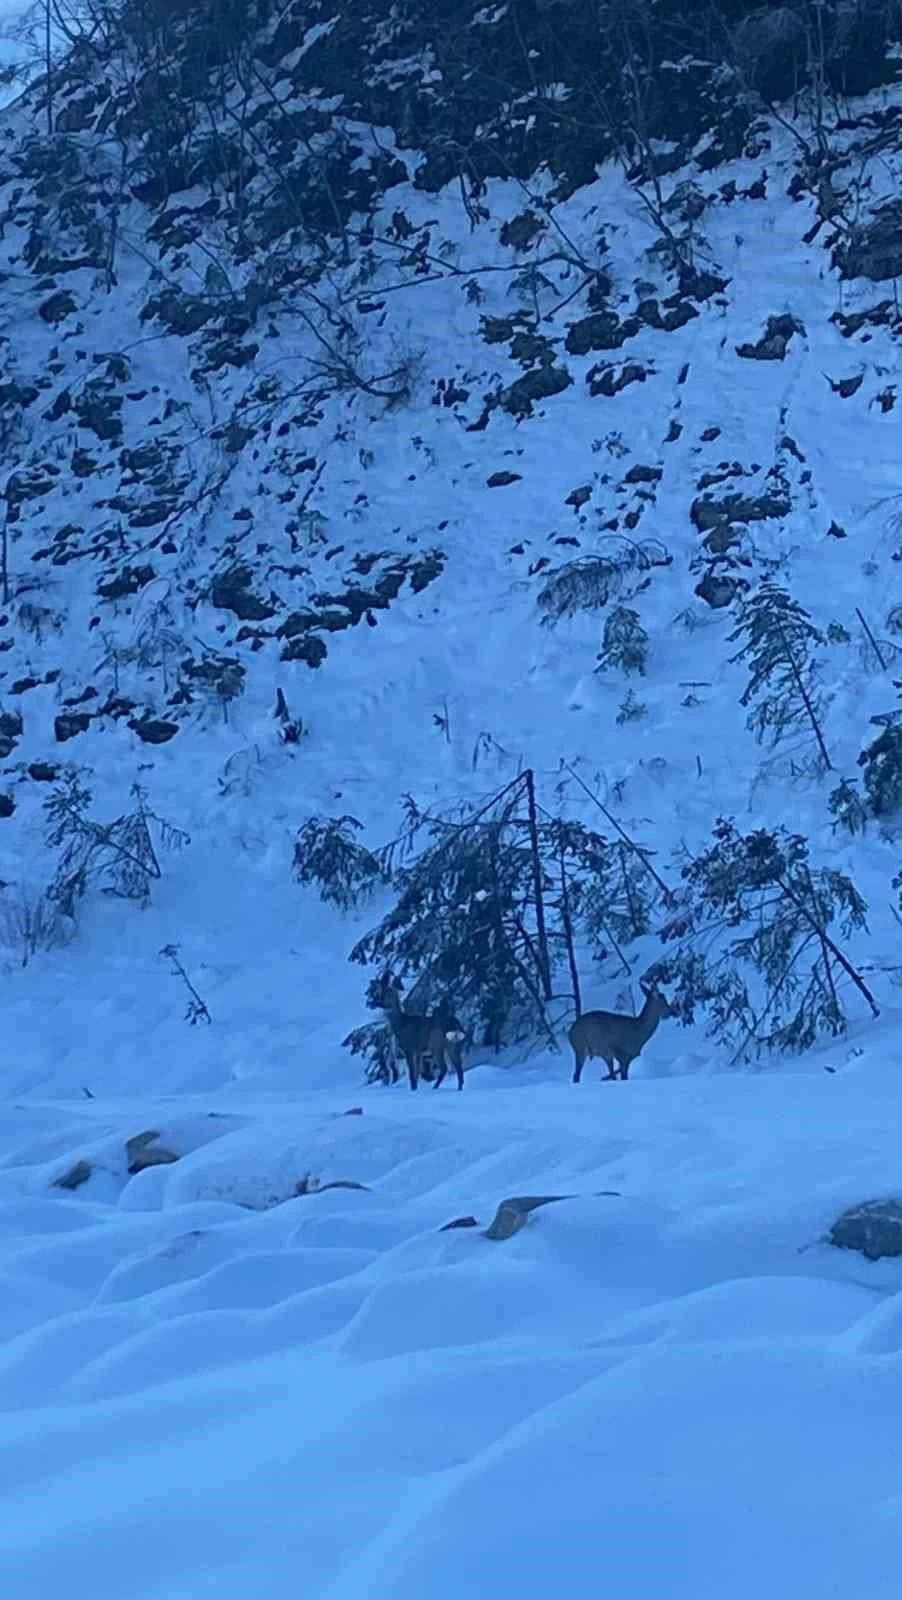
[(512, 1214), (75, 1176), (874, 1227), (143, 1151)]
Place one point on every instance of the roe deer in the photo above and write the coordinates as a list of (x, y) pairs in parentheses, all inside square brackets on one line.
[(612, 1036), (437, 1037)]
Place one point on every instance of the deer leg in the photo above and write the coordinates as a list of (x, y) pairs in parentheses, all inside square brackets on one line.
[(413, 1070), (612, 1070), (452, 1056), (443, 1069), (579, 1063)]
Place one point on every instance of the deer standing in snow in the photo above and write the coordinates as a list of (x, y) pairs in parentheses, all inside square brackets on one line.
[(437, 1038), (615, 1038)]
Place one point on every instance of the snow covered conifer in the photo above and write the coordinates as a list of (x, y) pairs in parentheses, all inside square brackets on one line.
[(882, 763), (754, 945), (778, 638), (327, 855), (624, 641)]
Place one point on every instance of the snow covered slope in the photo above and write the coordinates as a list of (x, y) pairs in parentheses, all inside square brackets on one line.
[(350, 480), (460, 683)]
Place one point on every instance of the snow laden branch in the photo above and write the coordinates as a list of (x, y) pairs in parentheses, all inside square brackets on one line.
[(753, 943)]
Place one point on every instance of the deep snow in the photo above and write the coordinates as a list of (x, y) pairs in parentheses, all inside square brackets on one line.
[(678, 1385)]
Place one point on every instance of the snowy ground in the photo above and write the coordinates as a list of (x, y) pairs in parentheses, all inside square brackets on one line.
[(677, 1386), (213, 1386)]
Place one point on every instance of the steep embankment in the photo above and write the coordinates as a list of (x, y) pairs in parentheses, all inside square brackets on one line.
[(199, 518)]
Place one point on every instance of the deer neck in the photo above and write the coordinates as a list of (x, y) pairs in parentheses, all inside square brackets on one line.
[(648, 1019), (393, 1011)]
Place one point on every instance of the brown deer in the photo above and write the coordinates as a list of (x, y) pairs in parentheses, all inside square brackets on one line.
[(436, 1038), (613, 1037)]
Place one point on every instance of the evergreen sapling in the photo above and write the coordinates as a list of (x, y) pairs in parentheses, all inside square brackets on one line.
[(778, 640)]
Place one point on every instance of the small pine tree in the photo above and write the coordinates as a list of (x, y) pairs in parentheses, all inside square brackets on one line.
[(624, 642), (631, 709), (159, 639), (327, 855), (778, 638), (120, 854), (133, 860), (464, 920), (847, 807), (882, 763)]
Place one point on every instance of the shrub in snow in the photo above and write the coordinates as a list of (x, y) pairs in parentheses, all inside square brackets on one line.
[(327, 855), (882, 763), (584, 585), (217, 679), (121, 855), (624, 642), (631, 709), (753, 942), (589, 583), (33, 920), (847, 806)]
